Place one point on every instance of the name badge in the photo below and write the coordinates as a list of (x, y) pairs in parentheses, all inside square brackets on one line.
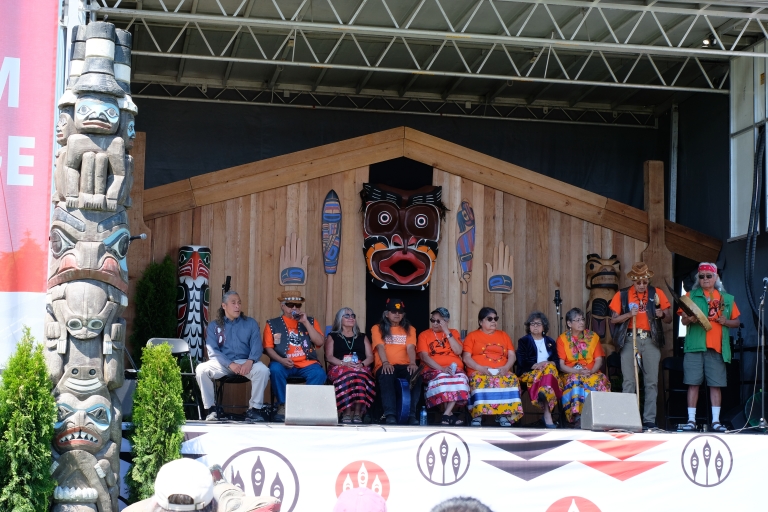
[(277, 337), (347, 358)]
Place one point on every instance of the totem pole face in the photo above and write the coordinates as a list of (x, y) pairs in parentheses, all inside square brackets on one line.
[(402, 231), (127, 128), (602, 272), (65, 126), (87, 307), (80, 249), (97, 114), (193, 296), (82, 424)]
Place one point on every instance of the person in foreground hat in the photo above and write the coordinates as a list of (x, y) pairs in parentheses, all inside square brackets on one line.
[(187, 484), (706, 352), (233, 343), (291, 341), (394, 346), (648, 306)]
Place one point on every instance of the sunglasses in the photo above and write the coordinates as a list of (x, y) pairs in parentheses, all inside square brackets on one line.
[(292, 305), (642, 281), (434, 320), (492, 318), (706, 276), (349, 316)]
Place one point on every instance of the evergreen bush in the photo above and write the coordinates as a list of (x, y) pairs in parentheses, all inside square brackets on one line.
[(27, 415), (157, 418), (155, 302)]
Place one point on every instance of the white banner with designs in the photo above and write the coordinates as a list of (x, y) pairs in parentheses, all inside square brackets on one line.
[(507, 469)]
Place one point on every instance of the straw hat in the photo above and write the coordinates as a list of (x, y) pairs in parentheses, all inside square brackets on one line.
[(290, 296), (639, 271)]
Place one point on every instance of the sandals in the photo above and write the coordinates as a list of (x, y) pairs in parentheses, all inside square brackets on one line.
[(551, 426), (357, 418), (447, 419), (503, 421), (476, 422), (718, 427), (346, 418), (689, 427), (457, 420)]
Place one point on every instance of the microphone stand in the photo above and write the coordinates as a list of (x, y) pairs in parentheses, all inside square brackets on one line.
[(558, 302), (761, 334)]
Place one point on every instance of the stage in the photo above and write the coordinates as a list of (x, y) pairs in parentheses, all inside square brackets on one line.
[(535, 470)]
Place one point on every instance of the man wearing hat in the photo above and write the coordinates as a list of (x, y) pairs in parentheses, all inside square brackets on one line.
[(291, 341), (706, 352), (647, 305)]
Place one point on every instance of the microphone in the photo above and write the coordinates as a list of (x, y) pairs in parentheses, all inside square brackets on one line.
[(557, 300), (142, 236)]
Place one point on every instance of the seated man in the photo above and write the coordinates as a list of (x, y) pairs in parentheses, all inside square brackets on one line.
[(291, 341), (233, 343)]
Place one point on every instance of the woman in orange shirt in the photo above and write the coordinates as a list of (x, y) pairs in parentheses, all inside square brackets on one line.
[(440, 351), (581, 357), (394, 346), (489, 356)]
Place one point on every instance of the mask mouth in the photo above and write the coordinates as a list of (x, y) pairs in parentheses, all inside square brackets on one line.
[(402, 267)]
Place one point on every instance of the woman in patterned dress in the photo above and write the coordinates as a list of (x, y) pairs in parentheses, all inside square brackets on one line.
[(581, 357), (537, 364), (349, 355), (440, 351), (488, 357)]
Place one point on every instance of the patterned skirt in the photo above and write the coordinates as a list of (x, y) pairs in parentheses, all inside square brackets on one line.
[(495, 395), (544, 381), (442, 387), (353, 386), (576, 388)]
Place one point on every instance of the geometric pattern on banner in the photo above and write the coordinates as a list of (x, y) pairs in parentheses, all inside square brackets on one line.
[(528, 449), (363, 473), (188, 436), (622, 470), (573, 504), (529, 435), (527, 470), (622, 450)]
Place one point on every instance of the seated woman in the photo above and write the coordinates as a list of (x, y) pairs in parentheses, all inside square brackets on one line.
[(489, 356), (349, 354), (581, 357), (537, 364), (394, 344), (440, 351)]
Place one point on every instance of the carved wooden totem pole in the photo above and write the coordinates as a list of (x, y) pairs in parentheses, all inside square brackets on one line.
[(88, 274), (193, 297)]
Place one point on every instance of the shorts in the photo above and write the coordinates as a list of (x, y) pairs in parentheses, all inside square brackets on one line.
[(697, 365)]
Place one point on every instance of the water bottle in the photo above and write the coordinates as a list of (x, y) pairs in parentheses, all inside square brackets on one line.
[(354, 358), (423, 416)]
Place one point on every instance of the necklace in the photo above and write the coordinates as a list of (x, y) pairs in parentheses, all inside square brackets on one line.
[(348, 343)]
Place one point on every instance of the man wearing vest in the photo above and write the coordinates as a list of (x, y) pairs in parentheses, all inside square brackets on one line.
[(649, 307), (706, 352), (291, 342)]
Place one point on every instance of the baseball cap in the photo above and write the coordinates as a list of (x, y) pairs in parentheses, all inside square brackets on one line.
[(187, 477), (395, 305), (360, 499)]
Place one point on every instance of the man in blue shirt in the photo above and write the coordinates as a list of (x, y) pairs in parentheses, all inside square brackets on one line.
[(234, 347)]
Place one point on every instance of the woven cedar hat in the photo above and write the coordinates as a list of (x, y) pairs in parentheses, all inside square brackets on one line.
[(290, 296), (639, 271)]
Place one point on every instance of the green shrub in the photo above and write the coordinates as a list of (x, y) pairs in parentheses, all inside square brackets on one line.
[(157, 418), (155, 301), (27, 415)]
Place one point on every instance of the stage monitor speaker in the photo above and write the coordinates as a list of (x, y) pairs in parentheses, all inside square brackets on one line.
[(734, 419), (608, 411), (310, 405)]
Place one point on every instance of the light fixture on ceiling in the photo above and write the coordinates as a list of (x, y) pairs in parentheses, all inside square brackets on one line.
[(709, 42)]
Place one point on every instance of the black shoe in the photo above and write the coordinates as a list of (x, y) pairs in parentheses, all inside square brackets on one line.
[(254, 416), (279, 416), (390, 420), (541, 398), (649, 424), (413, 420)]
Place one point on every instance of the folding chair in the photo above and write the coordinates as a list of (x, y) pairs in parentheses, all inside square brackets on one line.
[(180, 349)]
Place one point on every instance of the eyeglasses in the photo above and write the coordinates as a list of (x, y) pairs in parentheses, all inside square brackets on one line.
[(292, 305), (536, 324), (578, 320), (434, 320), (349, 316), (706, 276), (642, 281), (492, 318)]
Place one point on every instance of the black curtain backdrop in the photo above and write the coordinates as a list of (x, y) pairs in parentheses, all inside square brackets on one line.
[(406, 174)]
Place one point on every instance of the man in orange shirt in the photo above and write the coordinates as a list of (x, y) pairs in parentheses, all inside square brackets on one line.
[(639, 301), (291, 341), (394, 353), (706, 352)]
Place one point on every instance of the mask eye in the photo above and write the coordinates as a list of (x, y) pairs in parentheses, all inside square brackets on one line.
[(63, 412), (99, 414), (385, 218), (421, 221), (111, 112), (60, 243), (83, 110), (75, 324), (120, 246), (95, 324)]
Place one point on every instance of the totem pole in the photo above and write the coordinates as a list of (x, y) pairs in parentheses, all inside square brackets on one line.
[(88, 274), (193, 297)]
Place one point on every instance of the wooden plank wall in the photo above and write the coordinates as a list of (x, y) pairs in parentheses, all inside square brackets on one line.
[(245, 235), (549, 250)]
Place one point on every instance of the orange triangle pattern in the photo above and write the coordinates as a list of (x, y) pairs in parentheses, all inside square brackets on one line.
[(622, 470), (623, 450)]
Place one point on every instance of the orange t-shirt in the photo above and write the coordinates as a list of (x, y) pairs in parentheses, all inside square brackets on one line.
[(715, 335), (490, 350), (395, 345), (294, 352), (642, 302), (438, 347)]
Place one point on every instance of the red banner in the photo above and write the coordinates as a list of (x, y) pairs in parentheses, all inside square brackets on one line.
[(28, 36)]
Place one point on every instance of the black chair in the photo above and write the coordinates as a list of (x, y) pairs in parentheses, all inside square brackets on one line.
[(675, 393), (180, 350)]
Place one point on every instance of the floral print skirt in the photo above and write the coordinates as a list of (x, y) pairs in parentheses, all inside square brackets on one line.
[(544, 381), (495, 395)]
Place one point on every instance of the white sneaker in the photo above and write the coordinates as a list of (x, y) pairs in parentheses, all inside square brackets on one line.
[(476, 422), (503, 421), (212, 416)]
